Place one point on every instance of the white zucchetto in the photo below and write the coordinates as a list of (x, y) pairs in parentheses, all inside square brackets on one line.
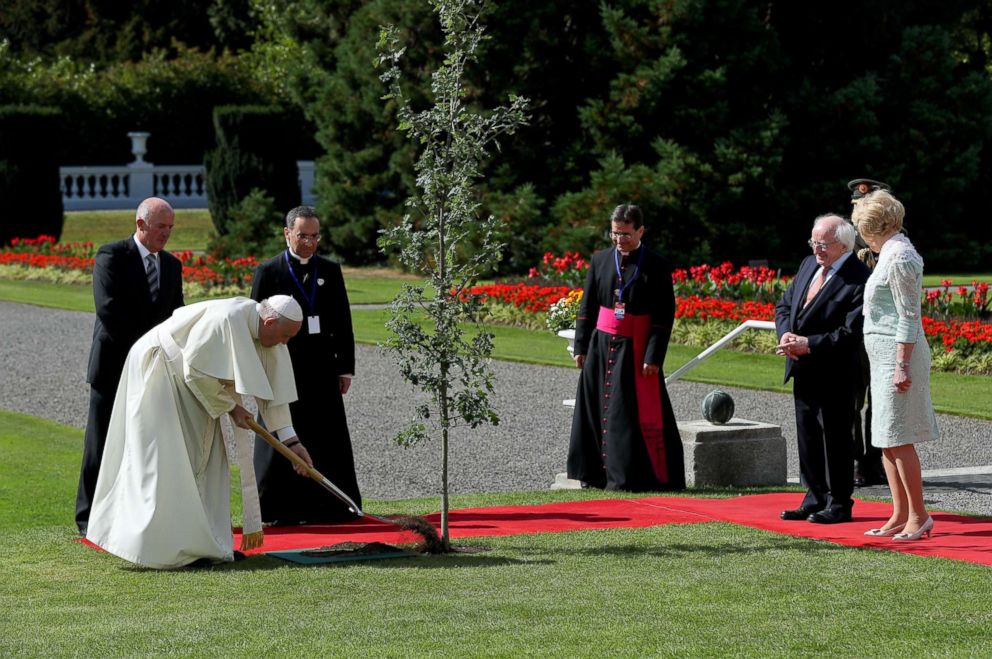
[(286, 306)]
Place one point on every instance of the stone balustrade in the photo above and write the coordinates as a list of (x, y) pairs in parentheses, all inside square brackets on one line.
[(89, 187)]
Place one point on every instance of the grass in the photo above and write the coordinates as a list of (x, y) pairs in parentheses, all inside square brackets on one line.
[(362, 289), (700, 589), (956, 279), (374, 285), (193, 229), (47, 294)]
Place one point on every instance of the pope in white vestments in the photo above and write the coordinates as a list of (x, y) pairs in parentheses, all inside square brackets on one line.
[(162, 498)]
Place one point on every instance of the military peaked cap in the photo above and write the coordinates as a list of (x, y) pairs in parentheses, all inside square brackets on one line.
[(861, 186)]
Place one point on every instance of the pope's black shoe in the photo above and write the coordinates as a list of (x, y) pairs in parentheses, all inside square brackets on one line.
[(797, 514), (829, 516)]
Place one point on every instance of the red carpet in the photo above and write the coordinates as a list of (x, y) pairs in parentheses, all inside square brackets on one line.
[(956, 537)]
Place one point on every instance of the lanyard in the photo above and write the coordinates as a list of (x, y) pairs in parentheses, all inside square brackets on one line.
[(621, 286), (313, 284)]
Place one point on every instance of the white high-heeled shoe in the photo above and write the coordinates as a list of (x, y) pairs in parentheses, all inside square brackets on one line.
[(925, 530), (885, 533)]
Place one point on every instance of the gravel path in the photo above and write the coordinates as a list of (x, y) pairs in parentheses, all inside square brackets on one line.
[(44, 353)]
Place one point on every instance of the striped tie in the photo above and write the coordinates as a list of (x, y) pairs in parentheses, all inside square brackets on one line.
[(152, 276)]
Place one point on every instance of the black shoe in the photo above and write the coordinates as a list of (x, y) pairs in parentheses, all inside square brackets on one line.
[(239, 556), (859, 478), (797, 514), (830, 517)]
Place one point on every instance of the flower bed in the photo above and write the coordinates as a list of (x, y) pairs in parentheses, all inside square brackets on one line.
[(713, 300), (942, 304), (760, 284), (44, 259)]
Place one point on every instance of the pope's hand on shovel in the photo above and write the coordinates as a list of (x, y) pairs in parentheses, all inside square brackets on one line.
[(244, 419)]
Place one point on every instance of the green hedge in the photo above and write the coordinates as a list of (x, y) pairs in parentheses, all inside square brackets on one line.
[(30, 196), (255, 150), (172, 99)]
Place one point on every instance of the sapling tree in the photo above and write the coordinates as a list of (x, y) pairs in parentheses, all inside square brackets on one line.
[(434, 351)]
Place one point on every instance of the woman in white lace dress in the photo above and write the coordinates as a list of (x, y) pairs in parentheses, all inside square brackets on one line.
[(902, 413)]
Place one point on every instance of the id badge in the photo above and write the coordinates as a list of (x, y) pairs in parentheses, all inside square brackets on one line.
[(313, 324), (618, 310)]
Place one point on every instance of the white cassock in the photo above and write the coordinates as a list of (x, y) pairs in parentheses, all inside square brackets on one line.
[(162, 498)]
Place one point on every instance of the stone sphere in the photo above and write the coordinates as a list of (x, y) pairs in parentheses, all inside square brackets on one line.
[(718, 407)]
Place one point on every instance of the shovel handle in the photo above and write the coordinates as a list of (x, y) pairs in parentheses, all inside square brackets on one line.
[(297, 460), (281, 448)]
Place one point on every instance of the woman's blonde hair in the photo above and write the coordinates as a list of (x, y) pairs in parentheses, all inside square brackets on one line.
[(878, 213)]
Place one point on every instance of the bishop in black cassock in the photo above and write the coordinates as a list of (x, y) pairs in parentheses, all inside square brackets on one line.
[(624, 434)]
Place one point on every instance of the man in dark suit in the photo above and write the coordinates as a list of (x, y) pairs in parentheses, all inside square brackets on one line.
[(136, 285), (818, 321), (323, 356), (624, 434)]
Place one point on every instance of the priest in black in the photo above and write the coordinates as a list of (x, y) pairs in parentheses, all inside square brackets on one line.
[(323, 356), (624, 433), (136, 285)]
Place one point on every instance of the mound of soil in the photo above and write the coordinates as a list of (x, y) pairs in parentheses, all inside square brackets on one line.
[(352, 549)]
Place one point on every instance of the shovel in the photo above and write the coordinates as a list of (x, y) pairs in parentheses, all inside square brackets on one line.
[(416, 524)]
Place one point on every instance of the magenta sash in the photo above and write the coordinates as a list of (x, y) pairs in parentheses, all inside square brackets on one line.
[(648, 389)]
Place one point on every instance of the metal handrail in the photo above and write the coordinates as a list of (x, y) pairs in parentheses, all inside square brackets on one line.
[(727, 338), (692, 363)]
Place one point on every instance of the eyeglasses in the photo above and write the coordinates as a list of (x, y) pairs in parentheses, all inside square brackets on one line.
[(307, 237), (620, 235), (816, 244)]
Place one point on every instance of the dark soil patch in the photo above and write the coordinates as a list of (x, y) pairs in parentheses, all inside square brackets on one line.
[(352, 549)]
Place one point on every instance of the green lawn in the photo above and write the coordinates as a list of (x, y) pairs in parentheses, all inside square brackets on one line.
[(711, 589), (956, 279), (362, 289), (193, 228)]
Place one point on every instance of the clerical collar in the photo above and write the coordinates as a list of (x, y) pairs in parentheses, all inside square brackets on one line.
[(303, 261), (631, 253)]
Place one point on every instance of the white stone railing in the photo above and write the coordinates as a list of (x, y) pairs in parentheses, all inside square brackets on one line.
[(182, 184), (125, 186), (95, 188), (307, 173)]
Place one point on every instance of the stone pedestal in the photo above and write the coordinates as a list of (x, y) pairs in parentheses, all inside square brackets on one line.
[(738, 453), (563, 482)]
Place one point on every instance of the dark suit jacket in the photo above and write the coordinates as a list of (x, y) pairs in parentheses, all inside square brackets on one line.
[(650, 293), (832, 322), (332, 352), (124, 307)]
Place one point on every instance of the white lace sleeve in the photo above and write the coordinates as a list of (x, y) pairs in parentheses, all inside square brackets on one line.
[(906, 282), (240, 444)]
